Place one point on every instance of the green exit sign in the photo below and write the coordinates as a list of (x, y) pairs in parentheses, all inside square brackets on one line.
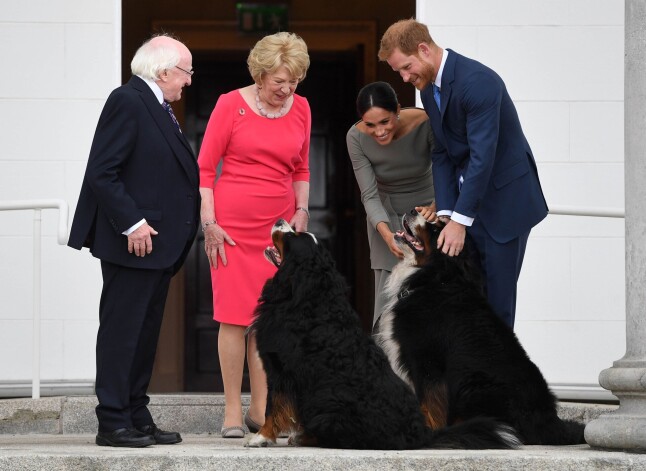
[(262, 17)]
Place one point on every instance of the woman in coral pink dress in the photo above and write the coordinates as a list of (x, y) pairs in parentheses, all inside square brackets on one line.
[(260, 135)]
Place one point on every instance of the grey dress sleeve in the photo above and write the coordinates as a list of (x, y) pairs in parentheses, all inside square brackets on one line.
[(366, 179)]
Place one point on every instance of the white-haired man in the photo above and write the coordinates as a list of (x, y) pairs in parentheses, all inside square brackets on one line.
[(138, 213)]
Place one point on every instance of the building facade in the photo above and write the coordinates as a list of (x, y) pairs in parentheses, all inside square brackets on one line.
[(562, 63)]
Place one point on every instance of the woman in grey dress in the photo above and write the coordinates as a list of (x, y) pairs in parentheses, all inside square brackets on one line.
[(390, 149)]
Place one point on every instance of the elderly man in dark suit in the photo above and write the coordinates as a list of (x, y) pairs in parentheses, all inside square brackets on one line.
[(484, 172), (138, 212)]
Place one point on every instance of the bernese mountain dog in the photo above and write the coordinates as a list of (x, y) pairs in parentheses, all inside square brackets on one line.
[(443, 339), (330, 384)]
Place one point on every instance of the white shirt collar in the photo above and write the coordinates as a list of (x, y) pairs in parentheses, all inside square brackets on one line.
[(155, 88), (438, 77)]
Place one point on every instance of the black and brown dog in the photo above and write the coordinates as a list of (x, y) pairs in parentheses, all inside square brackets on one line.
[(444, 340), (331, 385)]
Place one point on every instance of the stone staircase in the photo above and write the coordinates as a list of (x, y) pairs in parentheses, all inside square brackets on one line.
[(57, 433)]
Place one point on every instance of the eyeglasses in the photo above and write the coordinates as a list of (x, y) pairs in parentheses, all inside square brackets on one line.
[(189, 72)]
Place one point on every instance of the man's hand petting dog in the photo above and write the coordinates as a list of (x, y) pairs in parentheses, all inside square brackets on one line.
[(451, 239)]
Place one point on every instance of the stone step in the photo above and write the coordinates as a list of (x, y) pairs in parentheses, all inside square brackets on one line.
[(185, 413), (57, 433)]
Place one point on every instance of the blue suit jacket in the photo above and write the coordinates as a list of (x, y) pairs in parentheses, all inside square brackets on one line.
[(140, 166), (478, 136)]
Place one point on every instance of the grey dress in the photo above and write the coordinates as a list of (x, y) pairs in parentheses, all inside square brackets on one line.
[(393, 179)]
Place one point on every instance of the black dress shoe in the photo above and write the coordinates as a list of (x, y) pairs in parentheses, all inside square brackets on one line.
[(160, 436), (128, 437)]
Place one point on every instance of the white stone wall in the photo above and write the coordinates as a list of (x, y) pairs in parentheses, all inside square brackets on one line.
[(562, 61), (61, 58)]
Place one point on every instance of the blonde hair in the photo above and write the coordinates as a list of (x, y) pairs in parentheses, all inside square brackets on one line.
[(405, 35), (155, 56), (279, 49)]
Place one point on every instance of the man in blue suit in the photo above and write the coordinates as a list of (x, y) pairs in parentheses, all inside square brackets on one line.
[(485, 176), (138, 213)]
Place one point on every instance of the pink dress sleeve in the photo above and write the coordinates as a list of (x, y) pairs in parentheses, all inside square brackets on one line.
[(216, 140), (302, 171)]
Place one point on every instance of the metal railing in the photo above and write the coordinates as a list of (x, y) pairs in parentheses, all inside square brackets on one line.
[(37, 206), (574, 211)]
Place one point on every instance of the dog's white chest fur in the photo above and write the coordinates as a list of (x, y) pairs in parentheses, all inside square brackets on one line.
[(384, 337)]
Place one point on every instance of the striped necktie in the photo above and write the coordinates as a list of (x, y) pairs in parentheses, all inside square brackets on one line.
[(169, 110)]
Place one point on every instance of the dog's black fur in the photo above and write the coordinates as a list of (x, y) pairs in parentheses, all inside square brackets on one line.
[(330, 384), (443, 338)]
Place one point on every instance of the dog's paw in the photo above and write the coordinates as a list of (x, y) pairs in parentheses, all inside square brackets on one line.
[(258, 440)]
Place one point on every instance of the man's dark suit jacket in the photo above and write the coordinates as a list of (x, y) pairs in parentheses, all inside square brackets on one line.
[(478, 136), (140, 166)]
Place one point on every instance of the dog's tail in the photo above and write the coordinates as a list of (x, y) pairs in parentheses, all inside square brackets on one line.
[(475, 434)]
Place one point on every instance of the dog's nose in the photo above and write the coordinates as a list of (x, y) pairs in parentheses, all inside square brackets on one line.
[(413, 212)]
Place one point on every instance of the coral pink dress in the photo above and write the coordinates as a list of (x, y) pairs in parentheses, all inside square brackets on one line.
[(261, 158)]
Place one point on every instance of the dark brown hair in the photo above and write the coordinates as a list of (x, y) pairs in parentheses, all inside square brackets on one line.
[(379, 94)]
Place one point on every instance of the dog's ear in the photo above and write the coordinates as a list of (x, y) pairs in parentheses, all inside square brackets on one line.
[(434, 229)]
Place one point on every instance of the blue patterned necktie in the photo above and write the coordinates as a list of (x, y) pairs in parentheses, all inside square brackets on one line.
[(169, 110), (436, 95)]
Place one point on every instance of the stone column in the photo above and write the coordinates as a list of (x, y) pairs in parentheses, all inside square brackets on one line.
[(625, 429)]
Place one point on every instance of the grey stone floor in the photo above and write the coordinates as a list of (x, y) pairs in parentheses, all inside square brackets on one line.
[(209, 452)]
